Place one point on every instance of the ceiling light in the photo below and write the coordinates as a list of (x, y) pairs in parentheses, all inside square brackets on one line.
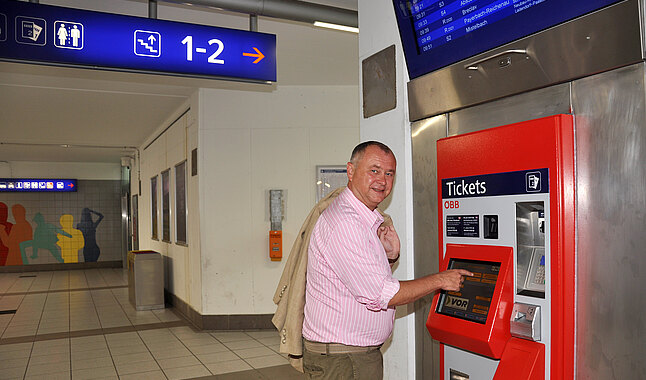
[(336, 26)]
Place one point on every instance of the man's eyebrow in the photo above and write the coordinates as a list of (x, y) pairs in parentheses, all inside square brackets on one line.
[(377, 166)]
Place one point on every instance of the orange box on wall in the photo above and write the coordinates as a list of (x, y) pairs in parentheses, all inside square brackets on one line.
[(276, 245)]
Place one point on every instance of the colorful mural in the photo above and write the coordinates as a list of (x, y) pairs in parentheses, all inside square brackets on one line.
[(73, 242), (21, 231), (20, 245), (88, 227), (5, 230), (45, 238)]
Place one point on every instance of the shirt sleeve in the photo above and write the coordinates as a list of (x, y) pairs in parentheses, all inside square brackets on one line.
[(360, 267)]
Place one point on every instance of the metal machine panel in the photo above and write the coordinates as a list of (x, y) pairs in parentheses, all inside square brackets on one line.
[(425, 134), (548, 101), (610, 116), (596, 42)]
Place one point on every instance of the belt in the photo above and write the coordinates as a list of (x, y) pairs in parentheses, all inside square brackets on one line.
[(335, 348)]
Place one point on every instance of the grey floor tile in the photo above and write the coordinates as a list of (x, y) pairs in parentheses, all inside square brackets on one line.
[(94, 373), (253, 352), (132, 358), (130, 368), (182, 361), (186, 372), (283, 372), (217, 357), (199, 340), (228, 366), (53, 358), (174, 353), (260, 334), (241, 344), (105, 361), (160, 353), (11, 373), (15, 347), (45, 369), (13, 363), (52, 343), (131, 349), (267, 361), (208, 349), (90, 354), (44, 350), (17, 354), (230, 336), (270, 341), (51, 376), (153, 375)]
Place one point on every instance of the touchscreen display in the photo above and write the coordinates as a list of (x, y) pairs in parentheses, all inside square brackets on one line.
[(473, 301)]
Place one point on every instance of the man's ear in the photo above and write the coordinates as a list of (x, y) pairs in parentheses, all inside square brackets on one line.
[(350, 170)]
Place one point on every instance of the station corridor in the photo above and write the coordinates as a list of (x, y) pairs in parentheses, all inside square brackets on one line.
[(79, 324)]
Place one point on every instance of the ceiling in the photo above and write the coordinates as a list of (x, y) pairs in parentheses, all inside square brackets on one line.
[(82, 115)]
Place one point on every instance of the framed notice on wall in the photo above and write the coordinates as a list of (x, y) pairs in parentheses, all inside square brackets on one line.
[(329, 178), (154, 218), (180, 203), (166, 205)]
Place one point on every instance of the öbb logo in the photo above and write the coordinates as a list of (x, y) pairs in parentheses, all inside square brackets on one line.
[(451, 204)]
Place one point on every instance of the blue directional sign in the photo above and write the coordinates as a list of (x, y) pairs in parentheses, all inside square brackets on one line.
[(37, 185), (37, 33)]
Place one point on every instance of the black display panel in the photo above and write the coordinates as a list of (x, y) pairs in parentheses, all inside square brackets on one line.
[(473, 301), (463, 225), (436, 34)]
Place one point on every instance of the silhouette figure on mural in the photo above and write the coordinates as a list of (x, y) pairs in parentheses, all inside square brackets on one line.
[(44, 238), (20, 232), (88, 227), (71, 245), (6, 227)]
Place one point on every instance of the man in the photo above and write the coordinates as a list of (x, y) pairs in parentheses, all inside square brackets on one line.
[(350, 295)]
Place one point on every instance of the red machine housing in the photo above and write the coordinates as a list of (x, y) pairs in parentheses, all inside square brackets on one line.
[(541, 143)]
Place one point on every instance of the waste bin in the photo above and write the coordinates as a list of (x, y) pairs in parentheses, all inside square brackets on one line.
[(145, 280)]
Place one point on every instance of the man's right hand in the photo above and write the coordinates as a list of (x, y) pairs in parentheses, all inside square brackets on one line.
[(410, 291), (452, 279)]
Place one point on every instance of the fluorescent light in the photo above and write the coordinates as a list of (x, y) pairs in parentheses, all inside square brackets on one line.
[(336, 26)]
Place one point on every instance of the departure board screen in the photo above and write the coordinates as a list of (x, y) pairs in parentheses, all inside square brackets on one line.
[(473, 301), (438, 33)]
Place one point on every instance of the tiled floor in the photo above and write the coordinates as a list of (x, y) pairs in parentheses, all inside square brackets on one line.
[(80, 325)]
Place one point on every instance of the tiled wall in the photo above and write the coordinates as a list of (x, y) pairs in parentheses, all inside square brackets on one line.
[(102, 196)]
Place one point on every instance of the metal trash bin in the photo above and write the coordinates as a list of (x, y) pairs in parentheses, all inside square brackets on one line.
[(145, 280)]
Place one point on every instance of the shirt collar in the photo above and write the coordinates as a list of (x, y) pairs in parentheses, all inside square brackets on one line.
[(371, 217)]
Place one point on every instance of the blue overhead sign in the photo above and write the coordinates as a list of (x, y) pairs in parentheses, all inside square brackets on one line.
[(37, 33), (37, 184)]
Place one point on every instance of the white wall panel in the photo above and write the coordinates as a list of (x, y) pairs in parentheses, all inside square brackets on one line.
[(267, 143), (225, 179), (378, 30), (78, 170), (279, 156)]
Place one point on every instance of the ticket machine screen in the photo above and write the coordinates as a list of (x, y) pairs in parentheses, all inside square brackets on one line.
[(473, 301)]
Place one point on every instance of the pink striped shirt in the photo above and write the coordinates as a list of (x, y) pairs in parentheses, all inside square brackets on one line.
[(349, 280)]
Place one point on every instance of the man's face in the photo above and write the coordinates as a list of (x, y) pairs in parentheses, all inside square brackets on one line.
[(371, 179)]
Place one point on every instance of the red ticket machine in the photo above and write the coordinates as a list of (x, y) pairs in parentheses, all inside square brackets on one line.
[(507, 214)]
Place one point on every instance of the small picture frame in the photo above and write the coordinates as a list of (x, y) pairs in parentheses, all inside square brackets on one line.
[(329, 178)]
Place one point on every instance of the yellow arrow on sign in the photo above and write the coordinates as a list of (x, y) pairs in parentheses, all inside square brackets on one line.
[(258, 54)]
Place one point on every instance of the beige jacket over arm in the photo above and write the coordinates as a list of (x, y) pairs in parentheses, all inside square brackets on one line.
[(290, 294)]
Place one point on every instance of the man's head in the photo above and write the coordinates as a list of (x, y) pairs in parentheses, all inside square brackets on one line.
[(371, 172)]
